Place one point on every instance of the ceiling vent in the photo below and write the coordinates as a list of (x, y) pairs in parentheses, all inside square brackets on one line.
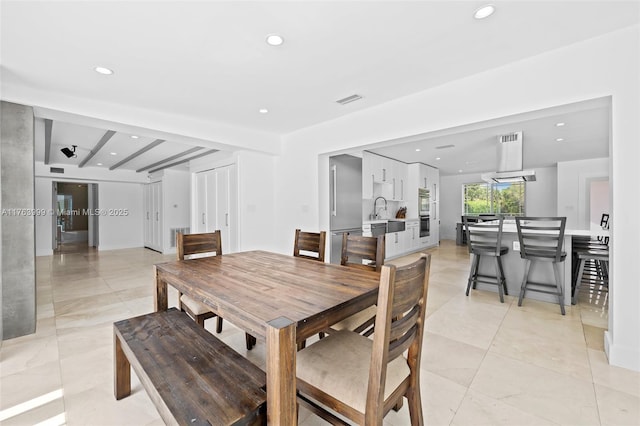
[(56, 170), (445, 146), (349, 99)]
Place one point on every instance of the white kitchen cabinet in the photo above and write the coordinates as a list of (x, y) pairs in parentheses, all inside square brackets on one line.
[(412, 236), (153, 216), (166, 209), (215, 193), (399, 174), (383, 176), (395, 244), (423, 176)]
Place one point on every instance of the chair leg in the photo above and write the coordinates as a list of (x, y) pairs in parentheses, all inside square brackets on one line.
[(474, 263), (576, 288), (250, 341), (556, 272), (180, 302), (527, 267), (499, 279), (200, 320), (503, 279), (219, 325), (415, 407)]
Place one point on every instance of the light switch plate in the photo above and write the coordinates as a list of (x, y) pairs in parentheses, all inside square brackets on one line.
[(516, 246)]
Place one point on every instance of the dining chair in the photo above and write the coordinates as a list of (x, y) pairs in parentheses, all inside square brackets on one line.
[(310, 245), (191, 245), (362, 253), (541, 240), (484, 240), (362, 378)]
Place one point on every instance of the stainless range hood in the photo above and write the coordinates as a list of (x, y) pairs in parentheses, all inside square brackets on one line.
[(510, 162)]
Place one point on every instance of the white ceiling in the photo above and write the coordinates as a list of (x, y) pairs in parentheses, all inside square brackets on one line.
[(208, 60)]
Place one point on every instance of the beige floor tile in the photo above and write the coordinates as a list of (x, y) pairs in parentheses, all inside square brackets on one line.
[(76, 341), (617, 408), (594, 337), (39, 413), (537, 391), (465, 320), (479, 409), (26, 385), (460, 364), (563, 357), (28, 354), (82, 304), (544, 324), (101, 315), (87, 369), (616, 378)]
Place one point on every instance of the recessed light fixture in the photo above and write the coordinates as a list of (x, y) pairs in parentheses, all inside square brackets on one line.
[(274, 40), (437, 158), (99, 164), (103, 70), (484, 11), (134, 137), (418, 150), (113, 153), (559, 124), (559, 140), (460, 171), (263, 110)]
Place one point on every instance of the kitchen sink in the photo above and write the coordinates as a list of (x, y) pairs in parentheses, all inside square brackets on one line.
[(395, 226)]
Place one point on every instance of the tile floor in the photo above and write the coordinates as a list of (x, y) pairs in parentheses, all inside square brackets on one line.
[(484, 362)]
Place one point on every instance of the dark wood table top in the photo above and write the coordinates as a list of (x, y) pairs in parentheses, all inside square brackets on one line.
[(255, 287)]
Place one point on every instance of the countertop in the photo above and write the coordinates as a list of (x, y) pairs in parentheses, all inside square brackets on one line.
[(508, 228), (408, 219)]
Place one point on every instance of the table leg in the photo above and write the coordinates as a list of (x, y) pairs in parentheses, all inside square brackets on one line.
[(160, 302), (121, 370), (281, 372)]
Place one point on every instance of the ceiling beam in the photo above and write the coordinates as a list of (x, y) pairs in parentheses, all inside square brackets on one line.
[(173, 157), (177, 163), (48, 126), (103, 140), (137, 153)]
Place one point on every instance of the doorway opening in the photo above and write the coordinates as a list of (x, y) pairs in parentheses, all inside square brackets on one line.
[(75, 219)]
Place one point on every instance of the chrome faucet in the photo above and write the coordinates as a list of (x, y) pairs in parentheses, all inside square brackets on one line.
[(375, 211)]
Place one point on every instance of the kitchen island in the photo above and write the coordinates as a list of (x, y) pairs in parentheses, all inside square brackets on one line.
[(541, 272)]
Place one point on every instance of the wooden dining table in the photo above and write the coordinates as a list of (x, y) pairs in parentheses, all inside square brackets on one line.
[(280, 299)]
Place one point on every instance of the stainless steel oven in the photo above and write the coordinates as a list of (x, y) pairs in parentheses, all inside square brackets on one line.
[(425, 225)]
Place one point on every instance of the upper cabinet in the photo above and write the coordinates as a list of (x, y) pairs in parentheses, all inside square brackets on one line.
[(383, 176)]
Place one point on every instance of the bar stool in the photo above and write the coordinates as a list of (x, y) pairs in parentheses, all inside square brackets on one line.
[(595, 263), (484, 238), (541, 239)]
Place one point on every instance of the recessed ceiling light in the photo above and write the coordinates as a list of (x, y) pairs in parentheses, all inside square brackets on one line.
[(134, 137), (460, 171), (484, 11), (103, 70), (559, 124), (263, 110), (437, 158), (559, 140), (113, 153), (99, 164), (418, 150), (274, 40)]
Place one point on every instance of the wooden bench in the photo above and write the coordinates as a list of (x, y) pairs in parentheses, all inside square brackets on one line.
[(192, 377)]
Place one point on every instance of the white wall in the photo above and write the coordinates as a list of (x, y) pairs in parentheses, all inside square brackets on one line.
[(117, 232), (599, 202), (574, 187), (540, 198), (603, 66), (176, 203)]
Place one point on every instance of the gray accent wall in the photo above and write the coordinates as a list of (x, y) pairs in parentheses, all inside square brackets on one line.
[(17, 223)]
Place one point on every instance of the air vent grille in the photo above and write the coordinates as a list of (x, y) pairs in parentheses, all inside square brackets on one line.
[(445, 146), (349, 99), (511, 137), (174, 231), (56, 170)]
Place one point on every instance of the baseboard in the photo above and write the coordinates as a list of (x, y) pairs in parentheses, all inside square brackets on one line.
[(620, 356)]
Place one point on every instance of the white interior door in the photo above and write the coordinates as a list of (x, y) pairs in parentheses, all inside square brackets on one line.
[(200, 204)]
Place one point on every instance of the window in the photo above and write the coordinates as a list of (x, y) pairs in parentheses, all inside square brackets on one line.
[(493, 198)]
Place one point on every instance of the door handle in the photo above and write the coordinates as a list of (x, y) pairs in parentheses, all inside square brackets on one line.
[(203, 218), (147, 215), (226, 219), (334, 176), (157, 216), (394, 188)]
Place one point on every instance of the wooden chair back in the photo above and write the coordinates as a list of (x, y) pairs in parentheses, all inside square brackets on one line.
[(541, 237), (362, 252), (484, 234), (306, 243), (402, 302), (190, 244)]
